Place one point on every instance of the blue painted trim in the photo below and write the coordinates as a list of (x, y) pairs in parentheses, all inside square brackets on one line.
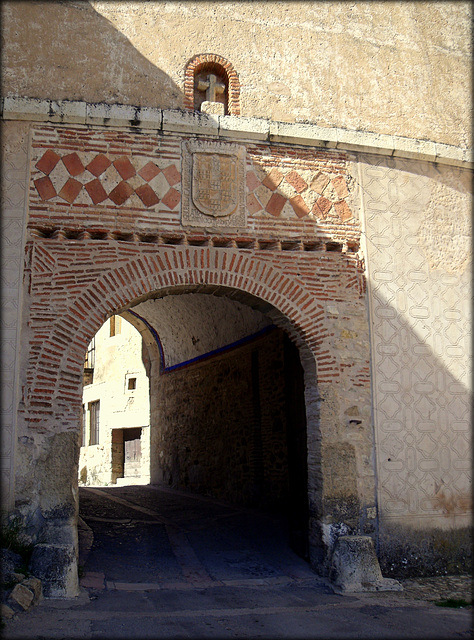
[(227, 347), (204, 356)]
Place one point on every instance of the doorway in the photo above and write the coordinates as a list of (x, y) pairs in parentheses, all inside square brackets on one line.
[(126, 454), (132, 453)]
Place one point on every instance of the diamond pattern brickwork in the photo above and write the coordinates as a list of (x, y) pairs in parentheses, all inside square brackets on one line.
[(70, 181), (111, 177), (296, 188)]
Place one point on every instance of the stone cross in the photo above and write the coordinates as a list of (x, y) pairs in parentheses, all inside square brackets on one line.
[(212, 87)]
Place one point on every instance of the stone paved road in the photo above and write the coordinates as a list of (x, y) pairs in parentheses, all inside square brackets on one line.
[(150, 534), (165, 564)]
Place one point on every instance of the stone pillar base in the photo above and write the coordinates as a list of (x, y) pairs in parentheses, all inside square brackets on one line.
[(56, 566), (355, 567)]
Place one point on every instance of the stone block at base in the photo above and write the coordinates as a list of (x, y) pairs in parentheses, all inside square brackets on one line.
[(35, 586), (21, 596), (6, 611), (355, 567), (56, 567)]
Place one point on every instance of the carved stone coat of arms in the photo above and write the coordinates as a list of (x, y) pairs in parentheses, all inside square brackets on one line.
[(213, 184)]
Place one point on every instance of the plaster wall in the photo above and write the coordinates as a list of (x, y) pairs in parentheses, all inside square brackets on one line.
[(14, 159), (418, 247), (399, 68), (117, 359), (192, 325)]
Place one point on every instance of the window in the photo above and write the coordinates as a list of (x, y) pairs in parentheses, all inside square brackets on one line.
[(115, 325), (89, 361), (94, 410), (132, 383), (84, 426)]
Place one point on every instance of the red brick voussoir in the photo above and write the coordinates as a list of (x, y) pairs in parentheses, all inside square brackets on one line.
[(83, 282)]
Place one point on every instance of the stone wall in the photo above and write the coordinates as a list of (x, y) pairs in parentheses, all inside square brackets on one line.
[(220, 425), (95, 462), (402, 68)]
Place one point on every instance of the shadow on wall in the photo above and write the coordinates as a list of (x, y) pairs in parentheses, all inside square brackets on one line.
[(68, 51), (423, 447), (419, 320)]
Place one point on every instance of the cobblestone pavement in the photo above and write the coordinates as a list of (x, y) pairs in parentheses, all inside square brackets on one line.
[(159, 563), (438, 588)]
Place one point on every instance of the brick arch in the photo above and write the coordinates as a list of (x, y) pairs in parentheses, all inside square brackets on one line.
[(129, 274), (213, 61), (129, 280)]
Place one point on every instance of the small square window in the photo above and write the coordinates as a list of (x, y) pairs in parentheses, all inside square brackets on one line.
[(132, 383)]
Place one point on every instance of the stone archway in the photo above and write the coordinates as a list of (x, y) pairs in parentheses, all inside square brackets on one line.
[(86, 283)]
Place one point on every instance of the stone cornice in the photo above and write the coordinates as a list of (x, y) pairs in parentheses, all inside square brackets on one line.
[(231, 127)]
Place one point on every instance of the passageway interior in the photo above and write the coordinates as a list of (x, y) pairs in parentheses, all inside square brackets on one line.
[(155, 537), (226, 431)]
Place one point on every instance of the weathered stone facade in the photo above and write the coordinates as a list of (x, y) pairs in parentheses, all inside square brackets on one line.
[(343, 240), (246, 441)]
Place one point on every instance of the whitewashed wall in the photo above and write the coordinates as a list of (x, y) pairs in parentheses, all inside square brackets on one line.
[(418, 248), (118, 358)]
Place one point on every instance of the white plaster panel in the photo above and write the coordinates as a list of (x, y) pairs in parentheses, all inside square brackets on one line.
[(13, 190), (417, 230), (191, 325)]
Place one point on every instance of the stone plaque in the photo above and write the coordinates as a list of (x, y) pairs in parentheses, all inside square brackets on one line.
[(213, 184)]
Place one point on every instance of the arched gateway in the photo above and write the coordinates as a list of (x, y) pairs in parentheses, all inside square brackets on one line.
[(277, 232), (241, 175)]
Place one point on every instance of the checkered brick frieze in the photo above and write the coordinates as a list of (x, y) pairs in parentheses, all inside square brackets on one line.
[(86, 170), (118, 181)]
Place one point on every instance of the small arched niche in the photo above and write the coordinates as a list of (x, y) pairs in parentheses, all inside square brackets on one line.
[(211, 84)]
